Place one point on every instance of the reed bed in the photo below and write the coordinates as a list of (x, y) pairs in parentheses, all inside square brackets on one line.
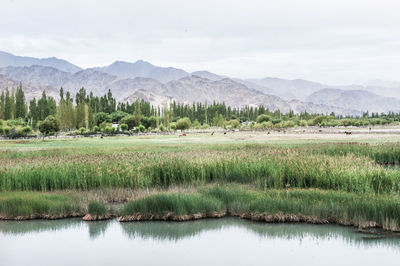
[(294, 205), (264, 166), (176, 203), (30, 205)]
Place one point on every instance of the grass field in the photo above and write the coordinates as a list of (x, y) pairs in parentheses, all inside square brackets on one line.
[(334, 177)]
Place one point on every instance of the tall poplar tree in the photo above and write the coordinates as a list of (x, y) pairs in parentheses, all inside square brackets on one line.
[(7, 106), (20, 111), (2, 104)]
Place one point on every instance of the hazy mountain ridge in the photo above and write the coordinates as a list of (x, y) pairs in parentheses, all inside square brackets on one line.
[(31, 91), (364, 100), (130, 81), (7, 59), (143, 69)]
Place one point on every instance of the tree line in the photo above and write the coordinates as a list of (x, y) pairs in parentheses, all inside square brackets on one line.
[(87, 112)]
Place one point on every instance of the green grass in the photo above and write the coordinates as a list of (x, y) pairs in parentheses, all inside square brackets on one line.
[(261, 165), (37, 205), (333, 206), (97, 208), (176, 203), (325, 178)]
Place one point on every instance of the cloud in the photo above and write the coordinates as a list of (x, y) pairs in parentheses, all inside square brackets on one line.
[(342, 41)]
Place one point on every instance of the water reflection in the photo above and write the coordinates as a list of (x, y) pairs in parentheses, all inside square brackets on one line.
[(177, 231), (98, 228)]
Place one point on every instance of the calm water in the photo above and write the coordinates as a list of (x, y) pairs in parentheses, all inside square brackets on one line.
[(227, 241)]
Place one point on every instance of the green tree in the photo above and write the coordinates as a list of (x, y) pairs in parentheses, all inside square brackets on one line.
[(49, 126), (7, 106), (20, 111), (183, 123), (33, 113), (137, 112), (263, 118), (2, 104)]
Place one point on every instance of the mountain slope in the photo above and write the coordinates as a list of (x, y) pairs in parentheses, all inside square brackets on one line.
[(289, 89), (7, 59), (29, 89), (39, 75), (91, 80), (355, 99), (197, 89), (143, 69)]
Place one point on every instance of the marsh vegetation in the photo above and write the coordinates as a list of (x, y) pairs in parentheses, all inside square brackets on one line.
[(163, 178)]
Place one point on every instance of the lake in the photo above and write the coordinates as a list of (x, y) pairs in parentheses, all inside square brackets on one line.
[(227, 241)]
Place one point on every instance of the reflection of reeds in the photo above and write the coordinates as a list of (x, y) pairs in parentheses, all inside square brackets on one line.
[(332, 166), (167, 231)]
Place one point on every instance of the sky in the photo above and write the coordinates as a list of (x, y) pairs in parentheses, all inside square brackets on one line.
[(335, 42)]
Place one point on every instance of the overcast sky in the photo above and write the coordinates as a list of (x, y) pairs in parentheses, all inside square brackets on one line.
[(336, 42)]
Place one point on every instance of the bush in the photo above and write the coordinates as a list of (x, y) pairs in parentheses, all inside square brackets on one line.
[(130, 120), (140, 128), (162, 128), (108, 129), (96, 129), (172, 126), (82, 130), (102, 117), (183, 123), (124, 127), (49, 126), (26, 130), (263, 118), (234, 123), (104, 125)]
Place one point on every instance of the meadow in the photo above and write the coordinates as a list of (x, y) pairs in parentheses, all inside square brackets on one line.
[(331, 178)]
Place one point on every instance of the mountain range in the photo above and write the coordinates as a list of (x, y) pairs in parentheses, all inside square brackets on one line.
[(159, 85)]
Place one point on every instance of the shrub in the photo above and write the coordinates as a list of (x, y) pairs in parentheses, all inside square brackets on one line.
[(108, 130), (140, 128), (124, 127), (183, 123), (130, 120), (263, 118), (26, 130), (49, 126)]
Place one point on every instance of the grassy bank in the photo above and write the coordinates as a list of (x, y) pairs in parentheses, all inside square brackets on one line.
[(167, 177), (297, 205), (29, 205)]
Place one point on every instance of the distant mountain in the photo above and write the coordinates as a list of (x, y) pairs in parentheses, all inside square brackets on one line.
[(39, 75), (197, 89), (355, 99), (90, 79), (289, 89), (208, 75), (7, 59), (140, 88), (159, 85), (29, 89), (382, 83), (143, 69)]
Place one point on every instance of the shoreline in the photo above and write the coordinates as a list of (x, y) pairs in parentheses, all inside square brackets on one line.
[(279, 218)]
